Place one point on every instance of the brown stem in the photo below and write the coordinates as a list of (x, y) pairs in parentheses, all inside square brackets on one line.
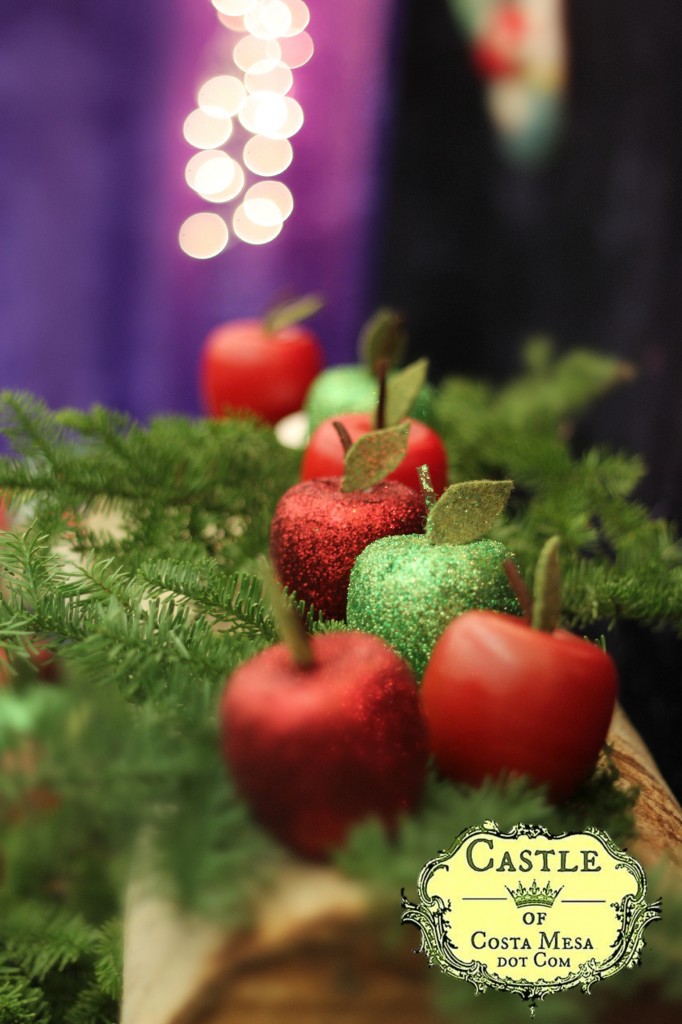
[(547, 588), (289, 625), (382, 374), (520, 588), (344, 436)]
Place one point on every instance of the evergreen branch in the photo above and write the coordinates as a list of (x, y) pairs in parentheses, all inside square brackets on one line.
[(108, 950), (29, 426), (92, 1006), (20, 1001), (235, 600), (40, 938), (151, 619)]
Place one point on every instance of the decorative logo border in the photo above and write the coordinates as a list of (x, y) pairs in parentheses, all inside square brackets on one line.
[(633, 914)]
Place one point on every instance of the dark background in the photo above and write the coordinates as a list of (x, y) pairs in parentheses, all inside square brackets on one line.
[(587, 248)]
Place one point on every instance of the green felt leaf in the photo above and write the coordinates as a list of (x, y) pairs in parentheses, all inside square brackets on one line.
[(547, 588), (403, 388), (537, 353), (374, 456), (291, 312), (466, 511), (384, 336)]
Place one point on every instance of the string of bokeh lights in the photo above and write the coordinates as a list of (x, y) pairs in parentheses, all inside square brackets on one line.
[(248, 111)]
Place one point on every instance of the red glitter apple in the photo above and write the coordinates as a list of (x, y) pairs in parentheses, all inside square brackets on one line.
[(263, 366), (323, 457), (501, 696), (321, 526), (319, 744)]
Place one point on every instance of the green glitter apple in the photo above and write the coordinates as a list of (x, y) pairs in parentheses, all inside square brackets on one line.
[(408, 589), (354, 387)]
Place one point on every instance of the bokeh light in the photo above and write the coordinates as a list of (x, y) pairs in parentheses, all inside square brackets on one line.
[(210, 172), (232, 190), (249, 51), (297, 50), (293, 120), (234, 8), (269, 19), (248, 231), (265, 113), (234, 24), (267, 157), (221, 96), (300, 16), (249, 107), (203, 235), (263, 212), (266, 78), (206, 132), (264, 194)]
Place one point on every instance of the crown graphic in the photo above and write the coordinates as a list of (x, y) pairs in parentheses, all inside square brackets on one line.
[(534, 896)]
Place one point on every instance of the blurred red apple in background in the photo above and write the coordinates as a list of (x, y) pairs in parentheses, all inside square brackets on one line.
[(324, 457), (261, 366)]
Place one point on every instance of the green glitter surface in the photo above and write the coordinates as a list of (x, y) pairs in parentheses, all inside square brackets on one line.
[(407, 590), (353, 389)]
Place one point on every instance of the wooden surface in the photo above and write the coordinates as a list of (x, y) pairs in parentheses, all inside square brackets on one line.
[(658, 815), (313, 955)]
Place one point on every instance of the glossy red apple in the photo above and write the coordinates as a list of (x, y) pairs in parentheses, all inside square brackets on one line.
[(316, 750), (263, 366), (500, 696), (324, 457)]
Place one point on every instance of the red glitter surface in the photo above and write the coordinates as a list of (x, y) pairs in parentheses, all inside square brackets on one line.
[(318, 531), (316, 750)]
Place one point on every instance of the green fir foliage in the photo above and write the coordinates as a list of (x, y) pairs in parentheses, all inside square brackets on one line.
[(617, 561), (137, 557)]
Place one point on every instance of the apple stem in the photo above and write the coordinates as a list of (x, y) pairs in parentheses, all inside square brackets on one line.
[(382, 374), (542, 609), (289, 625), (547, 588), (520, 588), (428, 492), (344, 436)]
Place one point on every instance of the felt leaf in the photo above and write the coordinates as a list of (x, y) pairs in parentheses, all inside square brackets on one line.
[(547, 588), (402, 389), (384, 336), (466, 512), (374, 456), (537, 353), (294, 311)]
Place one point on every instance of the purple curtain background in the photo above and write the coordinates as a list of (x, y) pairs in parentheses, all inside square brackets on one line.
[(97, 302)]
